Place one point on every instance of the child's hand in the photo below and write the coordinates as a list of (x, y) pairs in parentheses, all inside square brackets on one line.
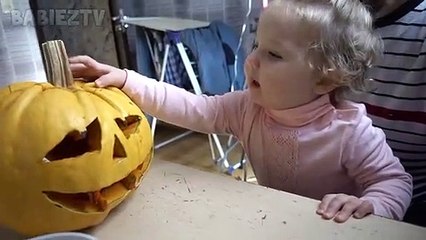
[(103, 75), (342, 206)]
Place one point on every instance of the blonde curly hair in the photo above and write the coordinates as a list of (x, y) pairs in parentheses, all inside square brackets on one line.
[(346, 45)]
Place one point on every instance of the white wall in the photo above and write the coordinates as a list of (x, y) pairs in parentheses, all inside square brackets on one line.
[(20, 57)]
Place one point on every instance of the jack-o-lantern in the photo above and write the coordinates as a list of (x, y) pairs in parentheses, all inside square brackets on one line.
[(68, 155)]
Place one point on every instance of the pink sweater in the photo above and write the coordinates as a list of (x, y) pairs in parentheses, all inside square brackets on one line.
[(312, 150)]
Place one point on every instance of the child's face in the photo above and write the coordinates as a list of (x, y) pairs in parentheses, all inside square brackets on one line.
[(278, 75)]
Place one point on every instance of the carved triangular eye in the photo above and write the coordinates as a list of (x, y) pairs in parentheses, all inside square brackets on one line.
[(77, 143), (129, 125), (119, 151)]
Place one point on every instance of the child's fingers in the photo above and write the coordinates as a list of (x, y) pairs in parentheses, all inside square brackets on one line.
[(364, 209), (324, 203), (351, 205), (341, 207), (104, 81), (334, 206), (114, 78), (83, 59), (78, 69), (85, 66)]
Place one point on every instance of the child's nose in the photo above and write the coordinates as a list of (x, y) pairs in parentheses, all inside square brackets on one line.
[(253, 59)]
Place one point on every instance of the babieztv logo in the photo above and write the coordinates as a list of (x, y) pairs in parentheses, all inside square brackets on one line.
[(58, 17)]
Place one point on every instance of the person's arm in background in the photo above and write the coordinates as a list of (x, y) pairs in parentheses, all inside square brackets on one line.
[(396, 100)]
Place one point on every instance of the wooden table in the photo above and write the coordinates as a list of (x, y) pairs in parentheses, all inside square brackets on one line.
[(178, 202)]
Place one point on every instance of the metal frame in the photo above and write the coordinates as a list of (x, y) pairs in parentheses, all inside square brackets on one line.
[(214, 142)]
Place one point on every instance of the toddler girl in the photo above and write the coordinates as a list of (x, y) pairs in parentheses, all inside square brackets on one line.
[(298, 131)]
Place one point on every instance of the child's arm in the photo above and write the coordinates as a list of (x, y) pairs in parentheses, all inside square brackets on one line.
[(218, 114), (372, 164), (208, 114)]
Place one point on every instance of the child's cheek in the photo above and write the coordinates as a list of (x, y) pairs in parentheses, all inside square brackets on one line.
[(248, 67)]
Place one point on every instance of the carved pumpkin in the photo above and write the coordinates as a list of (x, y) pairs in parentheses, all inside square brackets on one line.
[(68, 156)]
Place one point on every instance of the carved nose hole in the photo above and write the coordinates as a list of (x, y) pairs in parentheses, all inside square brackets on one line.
[(119, 151)]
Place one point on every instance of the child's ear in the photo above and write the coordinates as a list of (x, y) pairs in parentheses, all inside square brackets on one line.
[(327, 83)]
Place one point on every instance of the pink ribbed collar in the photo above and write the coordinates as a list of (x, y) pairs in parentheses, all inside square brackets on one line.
[(302, 115)]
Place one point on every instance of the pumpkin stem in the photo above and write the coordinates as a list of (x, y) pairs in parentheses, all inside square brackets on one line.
[(57, 65)]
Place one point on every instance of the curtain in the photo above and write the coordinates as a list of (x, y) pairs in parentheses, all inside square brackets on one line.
[(20, 56)]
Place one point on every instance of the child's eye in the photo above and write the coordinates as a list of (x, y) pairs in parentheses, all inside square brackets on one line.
[(255, 46), (274, 55)]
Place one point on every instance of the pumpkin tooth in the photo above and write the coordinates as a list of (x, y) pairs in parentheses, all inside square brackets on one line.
[(129, 182), (91, 197), (97, 199)]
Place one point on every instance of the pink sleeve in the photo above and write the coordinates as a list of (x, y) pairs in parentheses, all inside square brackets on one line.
[(207, 114), (372, 163)]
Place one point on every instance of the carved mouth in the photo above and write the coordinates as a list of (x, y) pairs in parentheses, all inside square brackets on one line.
[(78, 143), (97, 201)]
